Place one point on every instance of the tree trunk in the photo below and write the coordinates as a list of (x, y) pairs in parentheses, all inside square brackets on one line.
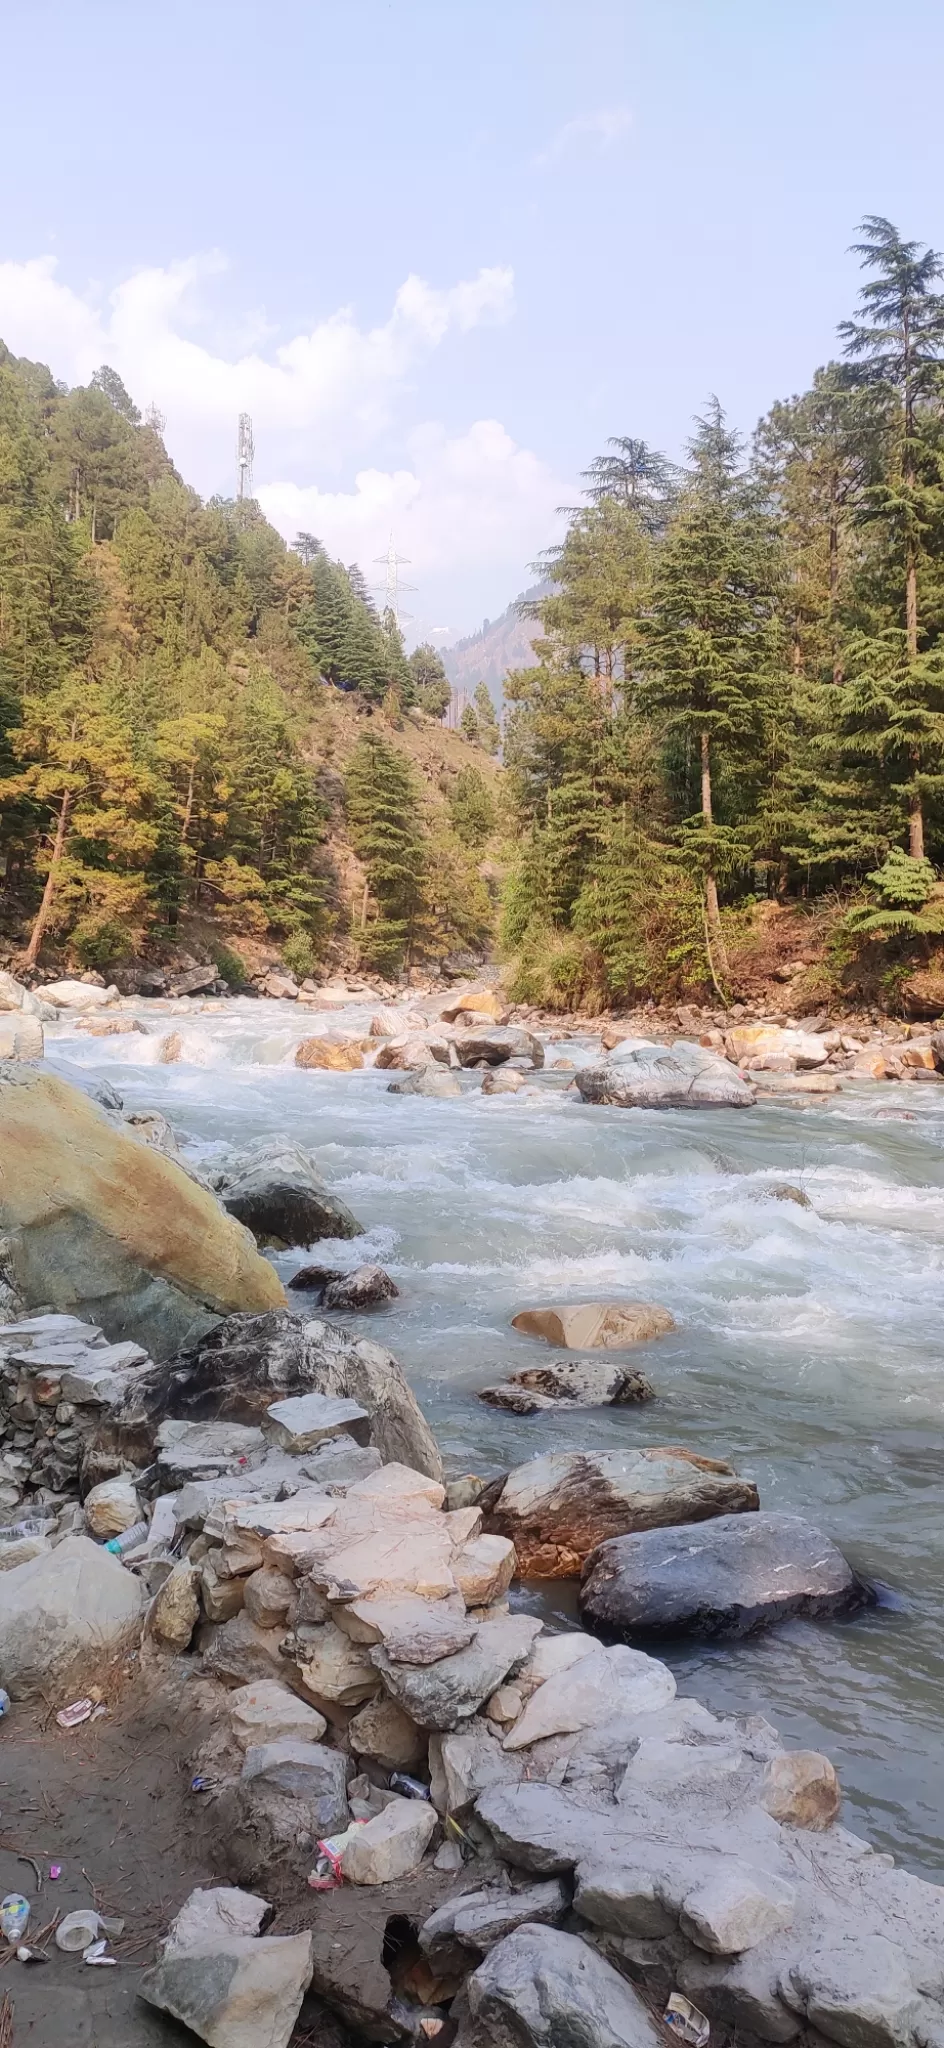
[(717, 952), (364, 902), (911, 606), (188, 807), (42, 915), (915, 827)]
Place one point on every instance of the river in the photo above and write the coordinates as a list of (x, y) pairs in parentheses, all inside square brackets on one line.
[(808, 1349)]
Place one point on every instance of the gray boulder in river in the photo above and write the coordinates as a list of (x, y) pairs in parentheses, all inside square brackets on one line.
[(236, 1372), (679, 1076), (495, 1043), (275, 1189), (726, 1577)]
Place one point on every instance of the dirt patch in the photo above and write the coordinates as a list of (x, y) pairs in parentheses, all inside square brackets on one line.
[(111, 1802)]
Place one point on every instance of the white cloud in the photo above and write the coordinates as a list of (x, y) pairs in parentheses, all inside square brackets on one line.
[(470, 509), (599, 130), (473, 507), (338, 379)]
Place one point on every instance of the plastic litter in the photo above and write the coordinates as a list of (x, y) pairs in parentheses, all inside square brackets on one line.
[(4, 1701), (129, 1539), (14, 1916), (17, 1532), (326, 1875), (96, 1954), (71, 1717), (408, 1788), (686, 2021), (198, 1784), (31, 1955), (78, 1931), (55, 1870)]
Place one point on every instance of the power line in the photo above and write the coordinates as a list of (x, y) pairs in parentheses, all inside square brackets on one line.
[(391, 585)]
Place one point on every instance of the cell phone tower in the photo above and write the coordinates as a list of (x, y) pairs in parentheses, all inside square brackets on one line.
[(245, 450), (391, 585)]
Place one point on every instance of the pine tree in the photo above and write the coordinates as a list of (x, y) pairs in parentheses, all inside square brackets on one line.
[(708, 638), (897, 348), (432, 689), (385, 825), (636, 477), (489, 730)]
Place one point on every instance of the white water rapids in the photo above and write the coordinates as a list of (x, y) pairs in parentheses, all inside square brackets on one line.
[(809, 1344)]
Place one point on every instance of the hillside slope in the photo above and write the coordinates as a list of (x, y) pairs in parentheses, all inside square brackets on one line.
[(500, 644)]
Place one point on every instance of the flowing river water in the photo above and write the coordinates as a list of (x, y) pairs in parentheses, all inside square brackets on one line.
[(809, 1345)]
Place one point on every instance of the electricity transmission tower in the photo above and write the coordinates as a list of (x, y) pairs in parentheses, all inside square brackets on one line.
[(245, 451), (391, 585)]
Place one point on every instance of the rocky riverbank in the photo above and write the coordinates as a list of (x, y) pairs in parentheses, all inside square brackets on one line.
[(540, 1839)]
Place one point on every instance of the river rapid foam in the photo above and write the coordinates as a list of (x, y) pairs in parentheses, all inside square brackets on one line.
[(809, 1340)]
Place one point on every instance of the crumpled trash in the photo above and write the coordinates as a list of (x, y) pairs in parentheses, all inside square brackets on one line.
[(685, 2020), (326, 1875), (78, 1931), (96, 1954), (31, 1955), (90, 1709)]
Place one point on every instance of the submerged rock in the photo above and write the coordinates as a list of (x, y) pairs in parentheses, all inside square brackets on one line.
[(584, 1383), (105, 1227), (275, 1189), (680, 1076), (437, 1082), (335, 1055), (557, 1509), (736, 1575), (366, 1287), (496, 1043)]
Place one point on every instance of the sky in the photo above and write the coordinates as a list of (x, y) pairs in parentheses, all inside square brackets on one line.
[(440, 250)]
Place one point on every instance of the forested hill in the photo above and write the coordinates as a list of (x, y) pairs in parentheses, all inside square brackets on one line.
[(499, 645), (208, 738), (736, 702)]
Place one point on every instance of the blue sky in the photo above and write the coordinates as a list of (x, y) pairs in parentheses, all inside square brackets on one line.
[(441, 251)]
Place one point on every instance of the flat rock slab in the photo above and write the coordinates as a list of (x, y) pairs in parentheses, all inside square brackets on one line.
[(237, 1993), (593, 1690), (471, 1924), (189, 1450), (442, 1695), (266, 1712), (557, 1509), (540, 1988), (724, 1578), (595, 1325), (411, 1630), (304, 1421)]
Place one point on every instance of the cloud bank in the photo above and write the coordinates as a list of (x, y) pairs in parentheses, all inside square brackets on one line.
[(466, 507)]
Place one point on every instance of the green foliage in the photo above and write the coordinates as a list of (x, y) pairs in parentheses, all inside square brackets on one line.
[(431, 690), (489, 730), (229, 964), (385, 826), (472, 813), (299, 955)]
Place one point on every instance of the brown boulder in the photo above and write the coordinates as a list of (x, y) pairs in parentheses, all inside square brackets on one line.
[(801, 1790), (595, 1325), (557, 1509), (335, 1055)]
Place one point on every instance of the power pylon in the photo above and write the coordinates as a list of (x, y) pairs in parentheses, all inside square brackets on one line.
[(391, 585)]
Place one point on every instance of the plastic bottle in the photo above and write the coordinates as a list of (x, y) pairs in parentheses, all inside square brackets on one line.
[(408, 1788), (17, 1532), (128, 1540), (14, 1916), (4, 1701)]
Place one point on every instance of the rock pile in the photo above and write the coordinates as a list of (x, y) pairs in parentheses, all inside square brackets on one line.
[(58, 1377)]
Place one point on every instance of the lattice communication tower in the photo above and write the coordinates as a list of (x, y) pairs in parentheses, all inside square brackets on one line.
[(245, 451)]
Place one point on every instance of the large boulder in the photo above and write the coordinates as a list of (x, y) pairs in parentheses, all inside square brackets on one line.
[(739, 1574), (439, 1083), (679, 1076), (246, 1363), (13, 996), (441, 1696), (558, 1508), (495, 1043), (78, 995), (540, 1988), (99, 1224), (753, 1044), (21, 1037), (275, 1189), (62, 1615), (334, 1055)]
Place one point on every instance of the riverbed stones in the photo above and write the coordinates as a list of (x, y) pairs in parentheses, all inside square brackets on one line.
[(584, 1383), (382, 1732), (411, 1630), (441, 1696), (732, 1909), (750, 1044), (558, 1508), (21, 1037), (679, 1076), (275, 1190), (333, 1055), (338, 1670), (483, 1569), (392, 1845), (593, 1690), (233, 1989), (365, 1288), (801, 1790), (466, 1763), (267, 1712), (540, 1987), (506, 1080), (112, 1506), (437, 1082), (492, 1045), (268, 1598), (595, 1325), (63, 1615), (239, 1368), (860, 1992), (116, 1231), (728, 1578), (304, 1421), (459, 1934)]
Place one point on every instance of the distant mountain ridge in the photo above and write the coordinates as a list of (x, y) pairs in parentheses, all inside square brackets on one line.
[(499, 645)]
